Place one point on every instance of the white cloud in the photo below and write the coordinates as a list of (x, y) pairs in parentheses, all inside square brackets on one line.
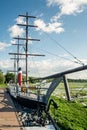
[(70, 8), (3, 45), (46, 67), (13, 41), (15, 31), (20, 20), (50, 27), (67, 7), (52, 66), (6, 64)]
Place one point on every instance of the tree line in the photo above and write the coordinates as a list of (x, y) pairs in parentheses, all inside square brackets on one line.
[(6, 78)]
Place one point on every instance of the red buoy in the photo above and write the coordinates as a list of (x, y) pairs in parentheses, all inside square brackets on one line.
[(20, 76)]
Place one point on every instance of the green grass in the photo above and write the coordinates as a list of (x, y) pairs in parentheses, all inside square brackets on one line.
[(3, 85), (77, 84), (70, 115)]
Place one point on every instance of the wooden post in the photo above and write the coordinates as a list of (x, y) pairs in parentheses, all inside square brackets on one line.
[(66, 88)]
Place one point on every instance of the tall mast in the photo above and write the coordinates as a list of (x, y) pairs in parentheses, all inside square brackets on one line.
[(26, 47), (18, 51), (18, 55), (14, 68), (26, 39), (16, 60)]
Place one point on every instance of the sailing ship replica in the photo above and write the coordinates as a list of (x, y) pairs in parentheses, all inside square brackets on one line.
[(36, 98)]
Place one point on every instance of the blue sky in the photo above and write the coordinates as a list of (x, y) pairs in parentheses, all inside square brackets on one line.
[(62, 29)]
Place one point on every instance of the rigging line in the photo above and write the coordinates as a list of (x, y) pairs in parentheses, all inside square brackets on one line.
[(79, 61), (65, 49), (58, 55)]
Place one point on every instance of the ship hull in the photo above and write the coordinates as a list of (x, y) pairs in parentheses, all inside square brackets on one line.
[(29, 102)]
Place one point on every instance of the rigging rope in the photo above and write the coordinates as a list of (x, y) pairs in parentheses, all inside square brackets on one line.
[(57, 55), (78, 61)]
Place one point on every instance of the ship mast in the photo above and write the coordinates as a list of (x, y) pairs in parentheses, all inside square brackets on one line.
[(26, 49), (26, 25)]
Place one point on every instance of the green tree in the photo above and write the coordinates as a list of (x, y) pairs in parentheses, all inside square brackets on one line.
[(2, 77), (9, 77)]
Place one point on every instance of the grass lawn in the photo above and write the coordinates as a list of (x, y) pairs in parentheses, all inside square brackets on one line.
[(70, 115)]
